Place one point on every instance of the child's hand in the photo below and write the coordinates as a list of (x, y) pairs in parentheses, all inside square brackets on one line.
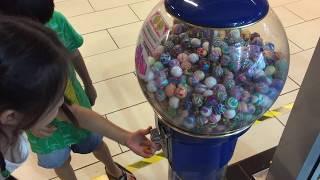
[(91, 93), (140, 144)]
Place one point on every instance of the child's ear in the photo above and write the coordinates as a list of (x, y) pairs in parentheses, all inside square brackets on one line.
[(9, 117)]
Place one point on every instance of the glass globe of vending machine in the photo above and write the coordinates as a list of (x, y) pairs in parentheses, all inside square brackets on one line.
[(210, 69)]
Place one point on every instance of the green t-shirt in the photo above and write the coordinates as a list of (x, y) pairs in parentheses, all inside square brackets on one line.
[(66, 134)]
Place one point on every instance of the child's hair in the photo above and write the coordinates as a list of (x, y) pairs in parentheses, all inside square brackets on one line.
[(33, 70), (40, 10)]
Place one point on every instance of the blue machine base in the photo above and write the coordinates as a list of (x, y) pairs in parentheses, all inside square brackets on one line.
[(194, 158)]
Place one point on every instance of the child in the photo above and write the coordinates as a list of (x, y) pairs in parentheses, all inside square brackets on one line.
[(33, 77), (23, 48), (54, 143)]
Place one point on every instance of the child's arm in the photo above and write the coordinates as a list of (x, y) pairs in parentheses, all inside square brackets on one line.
[(72, 40), (94, 122), (80, 67)]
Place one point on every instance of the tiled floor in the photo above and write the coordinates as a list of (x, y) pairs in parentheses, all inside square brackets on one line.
[(110, 29)]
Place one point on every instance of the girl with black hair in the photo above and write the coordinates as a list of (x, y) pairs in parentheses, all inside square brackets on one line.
[(33, 78), (53, 143)]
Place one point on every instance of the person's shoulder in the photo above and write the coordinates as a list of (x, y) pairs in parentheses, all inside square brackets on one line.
[(58, 23), (58, 15)]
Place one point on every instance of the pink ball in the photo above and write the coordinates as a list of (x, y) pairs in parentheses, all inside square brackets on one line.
[(186, 65), (177, 29), (202, 52), (243, 107), (242, 77), (183, 57), (245, 96), (236, 92), (217, 88), (170, 89)]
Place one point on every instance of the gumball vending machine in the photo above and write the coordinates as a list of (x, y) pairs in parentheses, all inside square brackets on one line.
[(209, 68)]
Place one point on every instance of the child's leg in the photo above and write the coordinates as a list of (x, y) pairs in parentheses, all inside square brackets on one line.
[(66, 172), (102, 153), (95, 144), (58, 160)]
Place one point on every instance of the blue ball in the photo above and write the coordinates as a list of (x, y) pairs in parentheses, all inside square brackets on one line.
[(174, 62), (246, 64), (211, 101), (273, 93), (262, 88), (165, 58), (277, 84), (174, 80), (200, 88), (193, 81), (269, 46), (187, 105), (189, 122), (219, 109)]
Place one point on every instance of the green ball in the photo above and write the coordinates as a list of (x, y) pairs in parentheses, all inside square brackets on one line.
[(270, 70), (232, 103)]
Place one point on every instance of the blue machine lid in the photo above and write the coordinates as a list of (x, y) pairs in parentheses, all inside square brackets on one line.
[(218, 13)]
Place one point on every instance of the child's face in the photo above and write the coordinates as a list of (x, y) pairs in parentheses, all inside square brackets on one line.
[(11, 118), (48, 117)]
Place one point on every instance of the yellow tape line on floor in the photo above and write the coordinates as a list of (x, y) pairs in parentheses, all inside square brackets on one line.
[(160, 156)]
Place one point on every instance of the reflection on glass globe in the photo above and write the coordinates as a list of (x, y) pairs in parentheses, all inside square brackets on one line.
[(207, 81)]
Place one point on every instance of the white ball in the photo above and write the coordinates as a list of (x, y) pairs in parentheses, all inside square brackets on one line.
[(151, 86), (229, 114), (205, 45), (174, 102), (195, 42), (210, 82), (176, 71), (149, 76), (235, 33), (208, 93), (199, 74), (193, 58)]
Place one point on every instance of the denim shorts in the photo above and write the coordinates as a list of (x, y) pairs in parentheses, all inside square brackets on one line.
[(57, 158)]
